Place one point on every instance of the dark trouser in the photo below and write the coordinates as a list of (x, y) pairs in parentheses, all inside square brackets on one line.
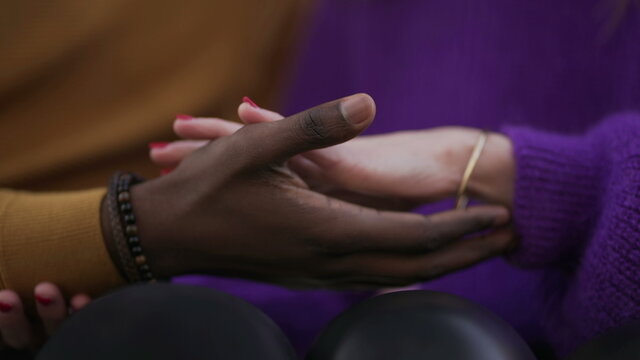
[(415, 325), (185, 322), (168, 322)]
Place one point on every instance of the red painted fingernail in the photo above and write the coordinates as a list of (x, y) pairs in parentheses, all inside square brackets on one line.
[(43, 300), (184, 117), (165, 171), (4, 307), (250, 102), (158, 145)]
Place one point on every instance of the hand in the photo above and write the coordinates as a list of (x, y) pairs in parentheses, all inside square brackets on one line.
[(392, 171), (232, 207), (19, 332)]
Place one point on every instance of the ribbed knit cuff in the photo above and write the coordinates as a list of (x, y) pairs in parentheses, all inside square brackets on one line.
[(556, 194), (54, 237)]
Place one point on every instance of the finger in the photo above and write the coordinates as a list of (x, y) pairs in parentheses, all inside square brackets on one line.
[(319, 127), (171, 154), (347, 228), (372, 201), (50, 305), (314, 176), (79, 301), (14, 326), (309, 171), (252, 115), (401, 270), (204, 128)]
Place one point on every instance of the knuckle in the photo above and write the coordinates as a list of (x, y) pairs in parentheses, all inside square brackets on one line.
[(432, 271), (312, 128), (319, 126), (434, 235), (319, 246)]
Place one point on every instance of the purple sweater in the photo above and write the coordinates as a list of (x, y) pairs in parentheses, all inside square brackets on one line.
[(568, 95)]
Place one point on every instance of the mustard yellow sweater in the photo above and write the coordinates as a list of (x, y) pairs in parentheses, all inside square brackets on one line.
[(85, 85)]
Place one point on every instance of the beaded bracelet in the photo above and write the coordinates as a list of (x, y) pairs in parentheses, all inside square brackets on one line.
[(124, 228)]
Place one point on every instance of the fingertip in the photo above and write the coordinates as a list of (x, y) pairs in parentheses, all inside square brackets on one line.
[(46, 288), (157, 148), (47, 294), (247, 100), (497, 215), (157, 154), (79, 301), (14, 326), (251, 115), (501, 216), (505, 240), (51, 305), (9, 301), (371, 102), (358, 109)]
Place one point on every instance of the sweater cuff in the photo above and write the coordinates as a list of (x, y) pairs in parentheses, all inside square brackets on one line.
[(556, 194), (54, 237)]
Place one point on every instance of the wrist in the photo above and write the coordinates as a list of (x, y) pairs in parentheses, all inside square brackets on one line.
[(145, 217), (159, 228)]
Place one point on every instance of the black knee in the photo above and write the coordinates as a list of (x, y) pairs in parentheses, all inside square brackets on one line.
[(168, 322), (419, 325)]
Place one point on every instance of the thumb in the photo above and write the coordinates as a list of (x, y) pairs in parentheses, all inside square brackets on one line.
[(322, 126)]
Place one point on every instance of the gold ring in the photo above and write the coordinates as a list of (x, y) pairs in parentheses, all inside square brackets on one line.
[(461, 198)]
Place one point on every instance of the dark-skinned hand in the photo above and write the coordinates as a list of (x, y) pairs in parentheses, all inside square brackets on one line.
[(234, 208)]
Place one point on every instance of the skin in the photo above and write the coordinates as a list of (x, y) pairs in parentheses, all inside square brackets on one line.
[(19, 331), (323, 210), (298, 237), (397, 170)]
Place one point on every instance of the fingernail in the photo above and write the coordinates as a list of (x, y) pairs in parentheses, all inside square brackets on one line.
[(5, 308), (165, 171), (43, 300), (158, 145), (357, 108), (183, 117), (250, 102)]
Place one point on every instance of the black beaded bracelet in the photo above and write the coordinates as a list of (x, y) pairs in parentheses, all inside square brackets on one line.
[(125, 230)]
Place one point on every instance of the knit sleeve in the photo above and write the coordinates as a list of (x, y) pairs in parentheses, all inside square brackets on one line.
[(578, 211), (54, 237), (558, 182)]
